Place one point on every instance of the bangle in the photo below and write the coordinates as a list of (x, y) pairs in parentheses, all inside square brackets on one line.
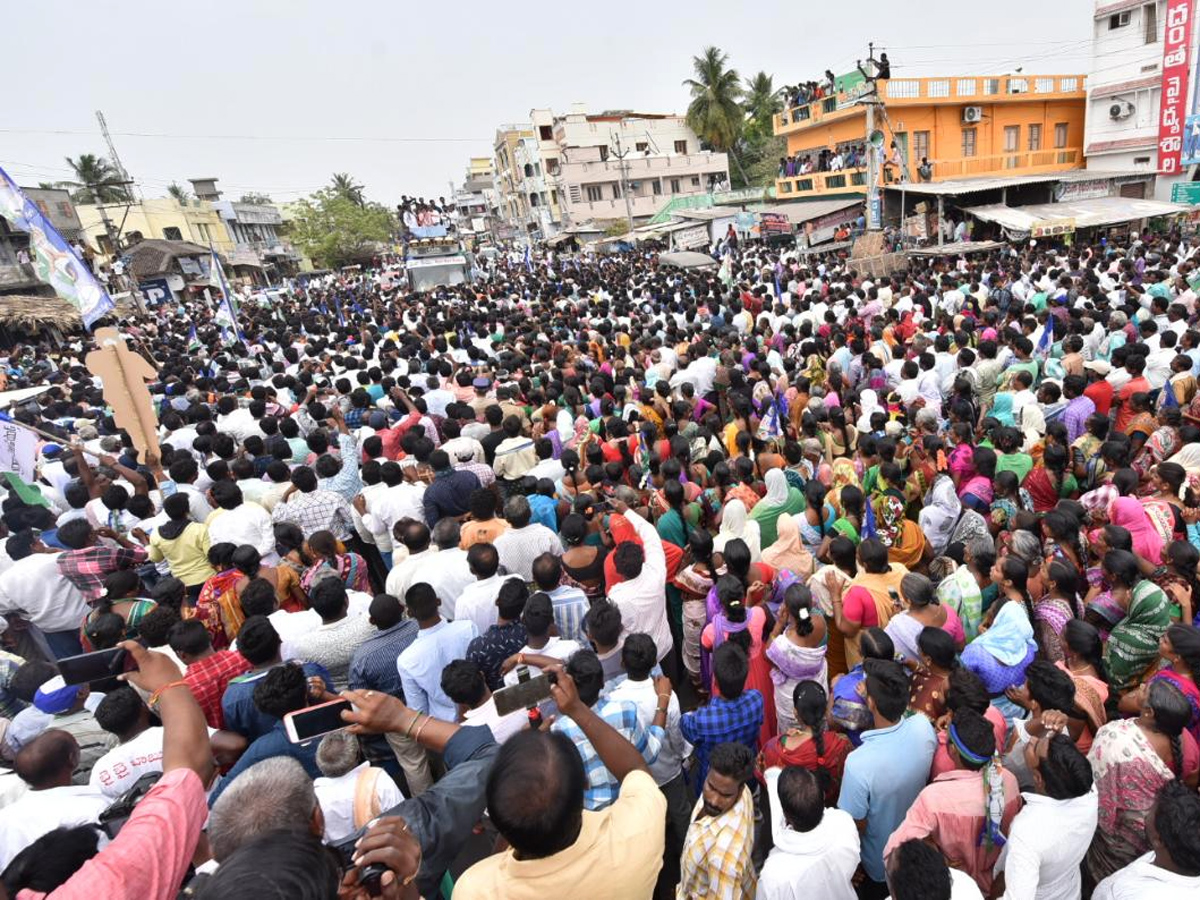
[(416, 718), (417, 736), (154, 698), (520, 659), (662, 709)]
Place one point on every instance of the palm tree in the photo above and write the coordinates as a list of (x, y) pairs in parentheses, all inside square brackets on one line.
[(344, 185), (762, 100), (178, 192), (714, 113), (97, 180)]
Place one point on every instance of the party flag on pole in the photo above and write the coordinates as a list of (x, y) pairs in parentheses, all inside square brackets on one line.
[(227, 309)]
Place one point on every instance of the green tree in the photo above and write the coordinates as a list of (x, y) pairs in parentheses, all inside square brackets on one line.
[(761, 103), (334, 230), (345, 185), (715, 113), (256, 199), (178, 192), (96, 180)]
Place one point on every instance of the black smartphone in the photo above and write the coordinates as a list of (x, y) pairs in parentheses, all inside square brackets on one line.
[(96, 666), (524, 694), (315, 721)]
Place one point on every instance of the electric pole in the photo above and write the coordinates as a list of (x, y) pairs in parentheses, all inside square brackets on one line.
[(623, 168), (874, 204)]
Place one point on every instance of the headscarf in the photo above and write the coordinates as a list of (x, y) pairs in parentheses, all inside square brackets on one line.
[(735, 523), (1010, 639), (1002, 409), (1033, 424), (1129, 514), (940, 513), (869, 400), (788, 551), (777, 488)]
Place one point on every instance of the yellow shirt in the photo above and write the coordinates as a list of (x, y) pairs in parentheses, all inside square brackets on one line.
[(616, 857), (187, 555)]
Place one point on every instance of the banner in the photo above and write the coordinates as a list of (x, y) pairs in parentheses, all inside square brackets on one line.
[(18, 451), (156, 291), (1051, 227), (774, 223), (54, 260), (1172, 105), (1191, 141)]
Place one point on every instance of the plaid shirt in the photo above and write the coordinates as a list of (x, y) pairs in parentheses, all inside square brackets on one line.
[(87, 567), (719, 721), (602, 788), (317, 511), (483, 472), (347, 481), (716, 853), (207, 679)]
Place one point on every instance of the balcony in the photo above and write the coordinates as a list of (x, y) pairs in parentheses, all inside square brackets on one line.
[(900, 92), (818, 184)]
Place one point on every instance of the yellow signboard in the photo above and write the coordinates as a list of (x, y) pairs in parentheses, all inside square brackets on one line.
[(1052, 228)]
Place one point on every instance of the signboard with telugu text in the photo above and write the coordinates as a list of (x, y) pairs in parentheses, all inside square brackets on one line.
[(774, 223), (1052, 228), (1176, 41)]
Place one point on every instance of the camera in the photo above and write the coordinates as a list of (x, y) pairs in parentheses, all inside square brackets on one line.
[(369, 877)]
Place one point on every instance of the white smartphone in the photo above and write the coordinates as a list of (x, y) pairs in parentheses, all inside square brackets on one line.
[(313, 722)]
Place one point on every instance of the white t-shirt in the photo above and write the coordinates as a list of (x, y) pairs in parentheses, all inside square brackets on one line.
[(39, 812), (336, 796), (117, 770)]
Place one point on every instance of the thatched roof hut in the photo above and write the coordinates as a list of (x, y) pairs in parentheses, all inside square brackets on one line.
[(23, 316)]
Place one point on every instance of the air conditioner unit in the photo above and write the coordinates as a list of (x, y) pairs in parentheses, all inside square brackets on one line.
[(1122, 109), (972, 114)]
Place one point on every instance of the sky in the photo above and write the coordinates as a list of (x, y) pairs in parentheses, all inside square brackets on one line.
[(275, 97)]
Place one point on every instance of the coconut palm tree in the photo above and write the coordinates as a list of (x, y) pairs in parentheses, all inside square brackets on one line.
[(178, 192), (714, 113), (97, 180), (762, 100), (345, 185)]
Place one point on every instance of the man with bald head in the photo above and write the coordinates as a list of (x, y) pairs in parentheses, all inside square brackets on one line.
[(46, 764)]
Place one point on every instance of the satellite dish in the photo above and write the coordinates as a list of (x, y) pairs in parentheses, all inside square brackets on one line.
[(876, 138)]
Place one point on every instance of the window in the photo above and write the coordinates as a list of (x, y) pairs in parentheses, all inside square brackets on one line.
[(681, 146), (674, 185), (545, 132), (920, 145), (533, 200), (174, 234), (554, 198), (1060, 134), (603, 153), (616, 191), (1118, 20), (968, 141), (528, 170), (641, 146), (594, 193), (1150, 23), (656, 186), (1035, 137), (552, 166), (695, 181), (573, 193), (1012, 138)]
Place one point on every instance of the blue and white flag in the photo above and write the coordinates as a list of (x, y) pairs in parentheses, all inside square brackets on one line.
[(1047, 338), (54, 260), (227, 309), (528, 260), (193, 338), (869, 530)]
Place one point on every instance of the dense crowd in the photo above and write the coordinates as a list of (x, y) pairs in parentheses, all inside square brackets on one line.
[(849, 587)]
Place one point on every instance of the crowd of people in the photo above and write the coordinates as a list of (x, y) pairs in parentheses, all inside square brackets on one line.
[(842, 587)]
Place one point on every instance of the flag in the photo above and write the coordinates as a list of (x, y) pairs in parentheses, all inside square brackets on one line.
[(1169, 400), (1047, 338), (193, 339), (337, 305), (528, 260), (782, 404), (227, 308), (54, 260), (778, 286), (869, 530)]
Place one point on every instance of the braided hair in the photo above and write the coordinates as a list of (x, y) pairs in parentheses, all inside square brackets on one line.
[(810, 703), (1172, 712)]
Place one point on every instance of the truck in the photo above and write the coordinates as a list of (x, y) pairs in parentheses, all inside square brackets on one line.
[(431, 262)]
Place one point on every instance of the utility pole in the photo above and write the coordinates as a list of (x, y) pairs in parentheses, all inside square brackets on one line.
[(874, 203), (623, 168), (112, 151)]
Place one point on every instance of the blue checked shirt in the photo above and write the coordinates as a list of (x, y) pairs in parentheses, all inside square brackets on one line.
[(722, 721), (347, 481), (602, 788), (373, 666)]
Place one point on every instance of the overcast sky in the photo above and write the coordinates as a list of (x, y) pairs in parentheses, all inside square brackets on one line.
[(277, 96)]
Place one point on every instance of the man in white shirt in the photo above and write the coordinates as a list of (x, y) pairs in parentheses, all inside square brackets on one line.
[(344, 777), (641, 597), (415, 537), (477, 601), (524, 542), (816, 849), (33, 588), (463, 682), (236, 521), (446, 571), (400, 500), (46, 764), (332, 645), (438, 643)]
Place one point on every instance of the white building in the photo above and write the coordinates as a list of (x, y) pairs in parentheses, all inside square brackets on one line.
[(1136, 61)]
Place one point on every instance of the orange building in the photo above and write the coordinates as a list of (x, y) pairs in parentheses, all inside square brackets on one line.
[(965, 127)]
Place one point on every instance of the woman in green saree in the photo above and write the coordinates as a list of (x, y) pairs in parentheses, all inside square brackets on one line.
[(781, 498), (1132, 646)]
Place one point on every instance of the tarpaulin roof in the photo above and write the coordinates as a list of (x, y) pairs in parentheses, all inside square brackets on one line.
[(799, 213), (1086, 213), (687, 259)]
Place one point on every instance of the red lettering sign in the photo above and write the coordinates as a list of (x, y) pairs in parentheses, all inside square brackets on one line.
[(1174, 84)]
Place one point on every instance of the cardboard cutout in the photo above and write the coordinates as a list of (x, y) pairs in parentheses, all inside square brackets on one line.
[(123, 375)]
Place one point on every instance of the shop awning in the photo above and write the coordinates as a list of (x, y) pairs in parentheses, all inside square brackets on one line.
[(1098, 211)]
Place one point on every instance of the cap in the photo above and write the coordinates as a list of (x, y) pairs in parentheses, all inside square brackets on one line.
[(56, 696), (1099, 366), (482, 383)]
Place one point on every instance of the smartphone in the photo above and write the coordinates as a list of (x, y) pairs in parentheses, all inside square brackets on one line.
[(525, 694), (95, 666), (315, 721)]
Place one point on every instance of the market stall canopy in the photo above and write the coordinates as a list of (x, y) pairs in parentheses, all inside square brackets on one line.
[(799, 213), (958, 248), (1084, 213), (686, 259), (9, 398)]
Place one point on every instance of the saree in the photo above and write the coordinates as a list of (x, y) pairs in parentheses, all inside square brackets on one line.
[(1091, 695), (1132, 515), (844, 475), (788, 551), (219, 609), (940, 513), (1162, 443), (797, 748), (902, 536), (694, 585), (1188, 688), (904, 631), (1001, 654), (1128, 774), (847, 710), (780, 499), (792, 664), (137, 610), (350, 568), (878, 585), (961, 593), (1132, 646), (1043, 492), (1051, 615)]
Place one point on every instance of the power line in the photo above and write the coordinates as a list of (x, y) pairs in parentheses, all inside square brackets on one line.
[(253, 137)]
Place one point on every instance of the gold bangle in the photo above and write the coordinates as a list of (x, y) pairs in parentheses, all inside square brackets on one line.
[(417, 736), (416, 718)]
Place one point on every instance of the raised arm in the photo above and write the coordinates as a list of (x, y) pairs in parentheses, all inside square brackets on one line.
[(656, 558), (618, 755)]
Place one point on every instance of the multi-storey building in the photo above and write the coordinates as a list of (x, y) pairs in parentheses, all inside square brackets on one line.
[(1143, 52)]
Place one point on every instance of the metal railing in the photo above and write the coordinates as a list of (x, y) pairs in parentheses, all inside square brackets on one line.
[(844, 181)]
